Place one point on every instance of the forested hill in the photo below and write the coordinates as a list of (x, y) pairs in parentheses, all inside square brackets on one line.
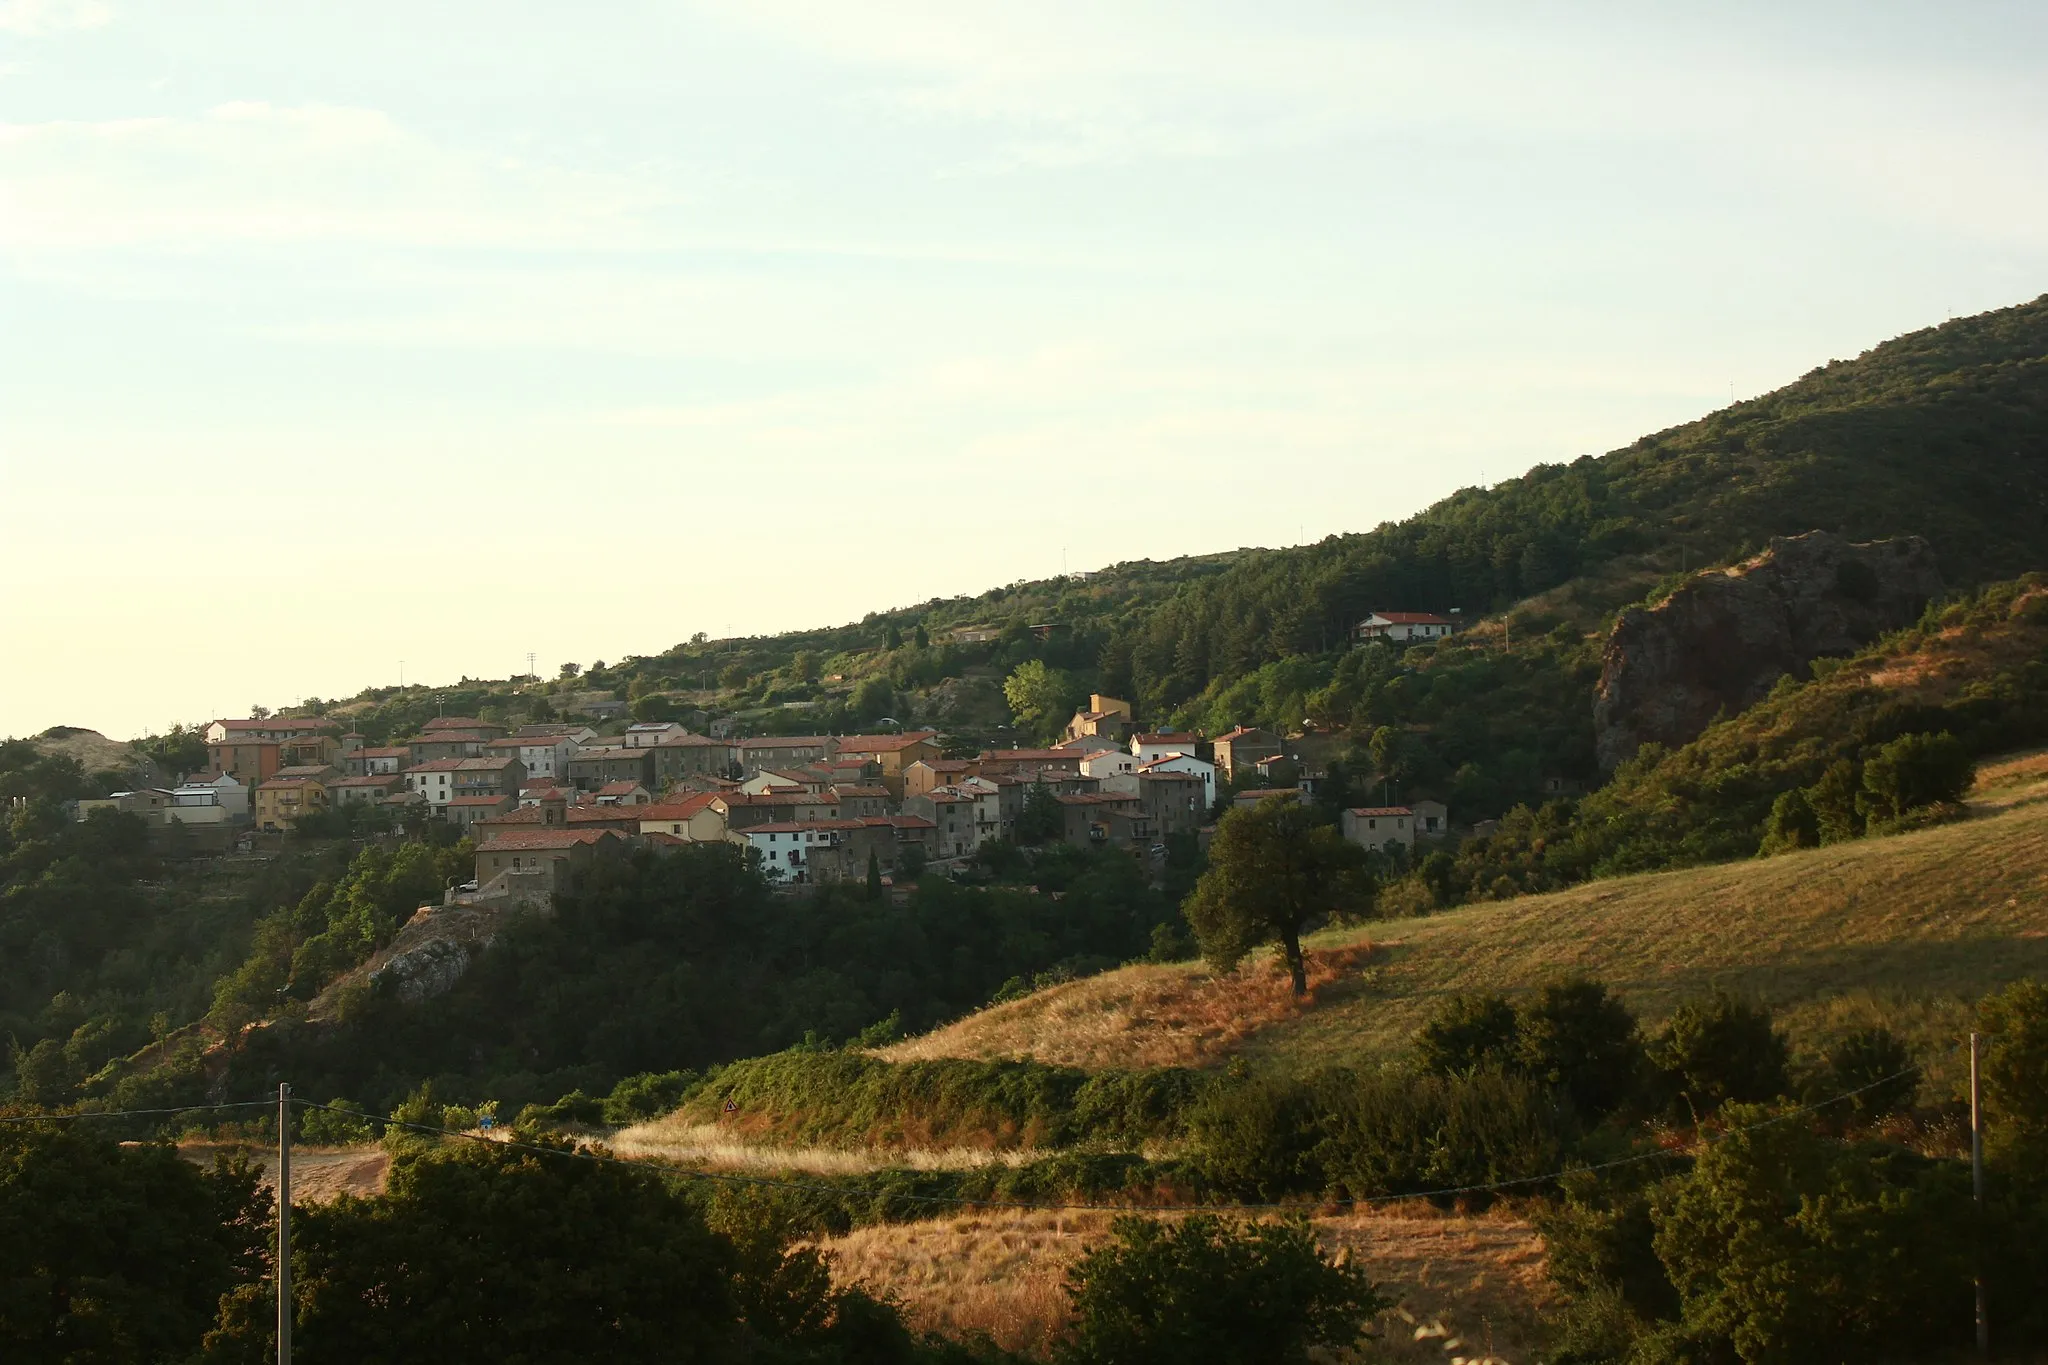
[(1941, 433)]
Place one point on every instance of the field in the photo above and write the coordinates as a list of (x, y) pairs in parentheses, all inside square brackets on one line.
[(1474, 1283), (1905, 930)]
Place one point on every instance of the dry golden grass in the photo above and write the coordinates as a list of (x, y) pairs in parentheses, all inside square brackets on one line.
[(675, 1138), (1481, 1278), (1902, 929), (1179, 1015), (318, 1173), (2015, 780)]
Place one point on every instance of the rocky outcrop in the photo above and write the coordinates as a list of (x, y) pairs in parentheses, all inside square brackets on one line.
[(1723, 638)]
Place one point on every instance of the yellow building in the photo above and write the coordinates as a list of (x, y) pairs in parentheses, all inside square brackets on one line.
[(281, 801)]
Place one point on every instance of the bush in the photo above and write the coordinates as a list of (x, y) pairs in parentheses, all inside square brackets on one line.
[(1875, 1064), (2015, 1066), (1716, 1051), (1582, 1040), (1466, 1033), (1207, 1290), (646, 1096), (1255, 1135), (576, 1107), (341, 1124), (1914, 771), (1393, 1134), (1786, 1247)]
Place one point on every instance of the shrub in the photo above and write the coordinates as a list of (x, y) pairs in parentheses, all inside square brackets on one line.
[(1207, 1290), (1582, 1040), (1877, 1065), (1914, 771), (1786, 1247), (576, 1107), (1716, 1051), (645, 1096), (341, 1124), (1255, 1135), (2015, 1066), (1468, 1032), (1394, 1134)]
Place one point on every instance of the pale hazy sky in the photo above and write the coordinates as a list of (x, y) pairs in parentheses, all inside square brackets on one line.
[(338, 334)]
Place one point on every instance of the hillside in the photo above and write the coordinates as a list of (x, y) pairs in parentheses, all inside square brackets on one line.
[(1902, 928), (1939, 433)]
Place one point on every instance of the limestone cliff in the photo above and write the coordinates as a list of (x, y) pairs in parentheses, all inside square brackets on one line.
[(1723, 638)]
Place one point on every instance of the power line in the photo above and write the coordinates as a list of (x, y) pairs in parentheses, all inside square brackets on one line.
[(1041, 1206), (132, 1113)]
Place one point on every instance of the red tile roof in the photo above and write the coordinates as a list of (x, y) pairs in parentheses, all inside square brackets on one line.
[(394, 751), (675, 810), (1381, 810), (884, 744), (511, 840), (1170, 737), (437, 765), (1411, 618)]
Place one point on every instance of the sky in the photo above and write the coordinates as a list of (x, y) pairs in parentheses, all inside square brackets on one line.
[(340, 340)]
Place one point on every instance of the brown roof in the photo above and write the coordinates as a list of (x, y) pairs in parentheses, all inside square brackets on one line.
[(541, 838), (437, 765), (791, 826), (479, 800), (1381, 810), (1411, 618), (611, 752), (847, 793), (675, 810), (1029, 756), (1169, 737), (305, 770), (485, 765), (884, 744), (944, 765), (394, 751), (690, 742), (281, 783), (1242, 731), (623, 787), (378, 780), (786, 741), (899, 821), (279, 723)]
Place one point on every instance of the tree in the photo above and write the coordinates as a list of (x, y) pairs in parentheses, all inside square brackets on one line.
[(1577, 1037), (111, 1253), (1274, 870), (1043, 819), (1466, 1033), (1875, 1065), (515, 1255), (873, 698), (1038, 695), (1784, 1247), (1914, 771), (1721, 1050), (569, 671), (1211, 1292), (2015, 1022)]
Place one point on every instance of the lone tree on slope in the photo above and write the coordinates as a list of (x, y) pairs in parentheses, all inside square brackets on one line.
[(1274, 870)]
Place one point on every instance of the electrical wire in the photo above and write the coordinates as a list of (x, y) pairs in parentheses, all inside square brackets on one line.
[(134, 1113), (1045, 1206)]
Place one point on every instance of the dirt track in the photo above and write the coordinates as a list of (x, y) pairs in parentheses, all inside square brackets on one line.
[(318, 1173)]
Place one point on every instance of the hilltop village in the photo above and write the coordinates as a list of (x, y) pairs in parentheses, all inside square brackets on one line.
[(541, 800)]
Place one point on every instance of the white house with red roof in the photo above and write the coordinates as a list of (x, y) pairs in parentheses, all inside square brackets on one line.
[(1381, 828), (1403, 627)]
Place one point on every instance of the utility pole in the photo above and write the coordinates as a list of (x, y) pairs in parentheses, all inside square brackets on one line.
[(1977, 1188), (284, 1224)]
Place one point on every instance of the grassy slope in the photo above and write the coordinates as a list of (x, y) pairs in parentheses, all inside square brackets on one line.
[(1481, 1278), (1904, 928)]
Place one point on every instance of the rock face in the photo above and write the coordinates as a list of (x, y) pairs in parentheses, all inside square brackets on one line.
[(1722, 639)]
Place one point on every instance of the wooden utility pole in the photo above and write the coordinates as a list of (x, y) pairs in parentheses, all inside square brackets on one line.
[(1977, 1188), (284, 1225)]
